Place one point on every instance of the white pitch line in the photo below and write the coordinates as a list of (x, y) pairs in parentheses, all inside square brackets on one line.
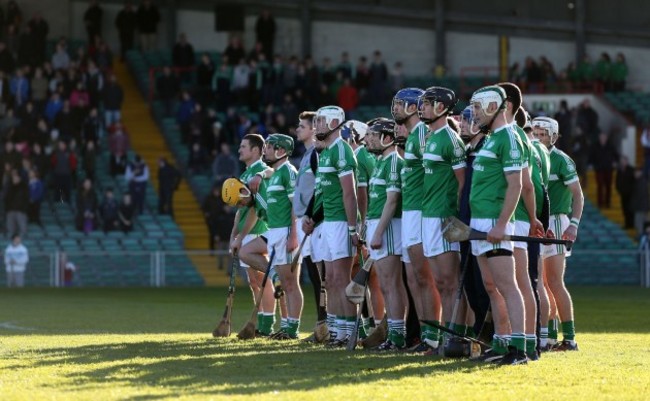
[(11, 326)]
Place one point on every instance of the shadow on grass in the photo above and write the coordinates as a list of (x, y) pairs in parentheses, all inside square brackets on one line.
[(231, 367)]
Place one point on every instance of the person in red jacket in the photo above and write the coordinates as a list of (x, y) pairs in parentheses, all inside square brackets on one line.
[(348, 96)]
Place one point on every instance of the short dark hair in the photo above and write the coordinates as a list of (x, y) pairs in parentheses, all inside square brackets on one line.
[(513, 95), (13, 237), (255, 140)]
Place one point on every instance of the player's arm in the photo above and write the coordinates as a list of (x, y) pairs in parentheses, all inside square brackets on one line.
[(459, 172), (528, 196), (392, 200), (576, 211), (349, 198), (513, 191), (235, 224), (362, 201)]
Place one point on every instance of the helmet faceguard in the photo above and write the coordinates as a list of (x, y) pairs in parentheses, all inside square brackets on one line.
[(328, 119)]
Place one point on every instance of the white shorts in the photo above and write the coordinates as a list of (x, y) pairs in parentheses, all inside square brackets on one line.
[(433, 243), (411, 231), (318, 249), (391, 243), (306, 249), (521, 228), (245, 241), (558, 223), (336, 239), (485, 225), (276, 238)]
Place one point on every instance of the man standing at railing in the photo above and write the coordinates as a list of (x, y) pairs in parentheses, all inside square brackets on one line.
[(16, 258)]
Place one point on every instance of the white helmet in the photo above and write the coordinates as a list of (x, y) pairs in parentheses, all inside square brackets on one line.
[(324, 118), (550, 125), (355, 129), (487, 95)]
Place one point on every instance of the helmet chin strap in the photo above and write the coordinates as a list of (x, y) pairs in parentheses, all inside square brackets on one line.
[(437, 116), (401, 121), (488, 127)]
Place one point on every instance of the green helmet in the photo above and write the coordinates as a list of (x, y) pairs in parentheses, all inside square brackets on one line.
[(281, 141)]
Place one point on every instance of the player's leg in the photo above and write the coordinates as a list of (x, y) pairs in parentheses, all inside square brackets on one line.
[(502, 329), (523, 282), (389, 272)]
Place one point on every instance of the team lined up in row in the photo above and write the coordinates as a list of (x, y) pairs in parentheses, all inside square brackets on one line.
[(494, 168)]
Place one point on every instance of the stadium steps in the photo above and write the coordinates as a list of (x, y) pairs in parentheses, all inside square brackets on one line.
[(148, 143), (615, 213)]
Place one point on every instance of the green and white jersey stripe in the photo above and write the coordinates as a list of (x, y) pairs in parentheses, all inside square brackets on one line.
[(279, 195), (562, 174), (365, 164), (444, 152), (521, 212), (260, 227), (336, 161), (501, 153), (385, 178), (413, 171)]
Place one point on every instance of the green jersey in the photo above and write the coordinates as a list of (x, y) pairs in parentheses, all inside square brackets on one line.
[(413, 172), (365, 165), (260, 227), (279, 194), (385, 178), (521, 212), (261, 207), (545, 160), (500, 154), (444, 152), (336, 161), (563, 173)]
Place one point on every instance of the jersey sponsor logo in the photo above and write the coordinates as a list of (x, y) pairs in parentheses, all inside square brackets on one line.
[(428, 170), (479, 167), (271, 200), (326, 182)]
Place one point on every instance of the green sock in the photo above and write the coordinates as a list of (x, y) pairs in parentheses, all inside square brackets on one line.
[(430, 333), (470, 332), (293, 326), (260, 320), (266, 327), (499, 345), (531, 344), (459, 328), (568, 330), (397, 332), (552, 329), (364, 328), (518, 340)]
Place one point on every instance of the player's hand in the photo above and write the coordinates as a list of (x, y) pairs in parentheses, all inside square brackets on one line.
[(536, 229), (376, 241), (292, 243), (307, 225), (570, 233), (254, 183), (496, 234), (355, 239), (235, 245)]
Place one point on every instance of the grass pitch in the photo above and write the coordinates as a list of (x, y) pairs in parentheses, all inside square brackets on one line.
[(141, 344)]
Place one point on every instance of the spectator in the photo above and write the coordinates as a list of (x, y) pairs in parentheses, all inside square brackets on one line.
[(221, 83), (53, 107), (169, 179), (91, 128), (16, 202), (532, 75), (10, 155), (217, 217), (126, 23), (86, 217), (118, 145), (90, 160), (378, 77), (36, 194), (265, 32), (204, 74), (640, 201), (69, 269), (61, 58), (348, 97), (109, 211), (586, 71), (603, 71), (619, 73), (19, 87), (7, 61), (8, 124), (81, 59), (137, 177), (12, 40), (39, 89), (196, 124), (625, 181), (126, 214), (103, 56), (225, 165), (197, 159), (362, 80), (167, 86), (65, 122), (93, 20), (396, 77), (234, 51), (79, 94), (345, 66), (183, 56), (258, 50), (40, 162), (564, 117), (64, 162), (240, 82), (587, 120), (603, 158), (14, 14), (16, 259), (113, 96), (40, 29), (147, 20)]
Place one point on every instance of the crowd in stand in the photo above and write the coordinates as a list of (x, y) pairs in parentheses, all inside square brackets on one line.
[(536, 76)]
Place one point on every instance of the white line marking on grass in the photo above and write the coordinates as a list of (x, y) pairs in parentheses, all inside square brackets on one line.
[(11, 326)]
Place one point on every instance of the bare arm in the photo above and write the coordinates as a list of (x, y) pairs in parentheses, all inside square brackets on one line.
[(576, 211), (362, 201), (235, 224), (251, 220), (349, 199), (460, 177), (528, 194), (392, 200)]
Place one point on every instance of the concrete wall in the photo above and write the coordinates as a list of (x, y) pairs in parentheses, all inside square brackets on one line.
[(471, 50)]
